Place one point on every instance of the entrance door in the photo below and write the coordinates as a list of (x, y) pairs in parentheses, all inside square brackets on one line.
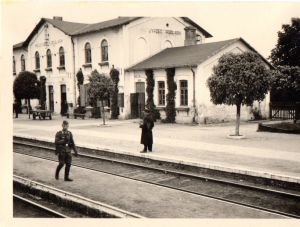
[(137, 100), (51, 98), (63, 99)]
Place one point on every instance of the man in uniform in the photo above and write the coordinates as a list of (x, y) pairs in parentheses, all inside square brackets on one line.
[(64, 143)]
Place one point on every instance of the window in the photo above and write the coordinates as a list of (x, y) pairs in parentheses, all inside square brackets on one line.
[(23, 67), (161, 93), (121, 99), (61, 56), (49, 59), (14, 65), (88, 53), (37, 60), (167, 44), (104, 50), (183, 92)]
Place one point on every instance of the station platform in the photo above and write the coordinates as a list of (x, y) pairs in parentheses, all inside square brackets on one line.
[(140, 199), (262, 154)]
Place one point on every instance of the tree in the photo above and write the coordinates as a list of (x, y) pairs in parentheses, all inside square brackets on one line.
[(80, 79), (287, 50), (100, 88), (239, 79), (149, 89), (172, 87), (26, 86), (114, 75), (285, 84)]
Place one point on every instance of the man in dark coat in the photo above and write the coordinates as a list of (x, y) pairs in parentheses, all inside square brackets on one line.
[(64, 142), (147, 126)]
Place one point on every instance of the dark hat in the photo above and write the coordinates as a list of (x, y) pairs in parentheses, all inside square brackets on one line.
[(65, 122)]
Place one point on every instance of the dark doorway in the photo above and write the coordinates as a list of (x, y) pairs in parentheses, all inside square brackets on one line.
[(63, 99), (51, 98), (137, 100), (137, 104)]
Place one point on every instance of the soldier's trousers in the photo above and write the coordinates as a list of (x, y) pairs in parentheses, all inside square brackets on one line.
[(148, 146), (64, 158)]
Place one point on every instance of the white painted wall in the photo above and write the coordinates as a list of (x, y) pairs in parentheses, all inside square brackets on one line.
[(143, 38), (123, 50), (206, 109), (112, 36), (55, 77), (155, 33), (17, 54)]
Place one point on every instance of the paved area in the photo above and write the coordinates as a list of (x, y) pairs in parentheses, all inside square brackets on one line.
[(272, 155), (133, 196)]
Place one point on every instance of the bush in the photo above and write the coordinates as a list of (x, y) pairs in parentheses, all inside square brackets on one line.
[(114, 75), (172, 87), (256, 113)]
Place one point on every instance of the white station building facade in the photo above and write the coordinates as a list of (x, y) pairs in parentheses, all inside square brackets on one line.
[(58, 49)]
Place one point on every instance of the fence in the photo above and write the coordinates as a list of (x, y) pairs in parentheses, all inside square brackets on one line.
[(285, 111)]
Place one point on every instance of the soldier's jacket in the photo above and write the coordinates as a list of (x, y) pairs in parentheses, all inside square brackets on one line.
[(64, 142)]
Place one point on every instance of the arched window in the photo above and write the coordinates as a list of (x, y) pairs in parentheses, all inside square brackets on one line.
[(104, 50), (49, 59), (140, 50), (14, 65), (37, 60), (61, 56), (167, 44), (23, 67), (88, 53)]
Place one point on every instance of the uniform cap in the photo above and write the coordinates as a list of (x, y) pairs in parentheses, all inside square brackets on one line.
[(65, 122)]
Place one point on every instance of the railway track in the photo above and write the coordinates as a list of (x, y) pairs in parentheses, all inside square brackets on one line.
[(35, 208), (278, 202)]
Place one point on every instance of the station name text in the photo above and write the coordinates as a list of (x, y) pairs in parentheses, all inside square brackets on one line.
[(160, 31)]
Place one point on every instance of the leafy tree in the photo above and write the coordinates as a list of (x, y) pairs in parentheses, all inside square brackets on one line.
[(100, 88), (239, 79), (150, 102), (287, 50), (285, 85), (172, 87), (26, 86), (80, 79), (114, 75), (43, 92)]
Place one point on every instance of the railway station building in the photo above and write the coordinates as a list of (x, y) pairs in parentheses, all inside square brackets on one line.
[(58, 49)]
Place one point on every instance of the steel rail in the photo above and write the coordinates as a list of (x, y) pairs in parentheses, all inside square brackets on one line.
[(176, 173), (40, 207), (93, 204)]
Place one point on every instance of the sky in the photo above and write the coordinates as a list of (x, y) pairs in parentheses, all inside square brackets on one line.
[(256, 22)]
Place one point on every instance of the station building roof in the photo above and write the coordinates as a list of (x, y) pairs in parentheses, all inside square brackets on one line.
[(187, 56), (76, 29)]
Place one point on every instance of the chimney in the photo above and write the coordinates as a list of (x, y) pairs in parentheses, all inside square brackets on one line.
[(190, 36), (57, 18)]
